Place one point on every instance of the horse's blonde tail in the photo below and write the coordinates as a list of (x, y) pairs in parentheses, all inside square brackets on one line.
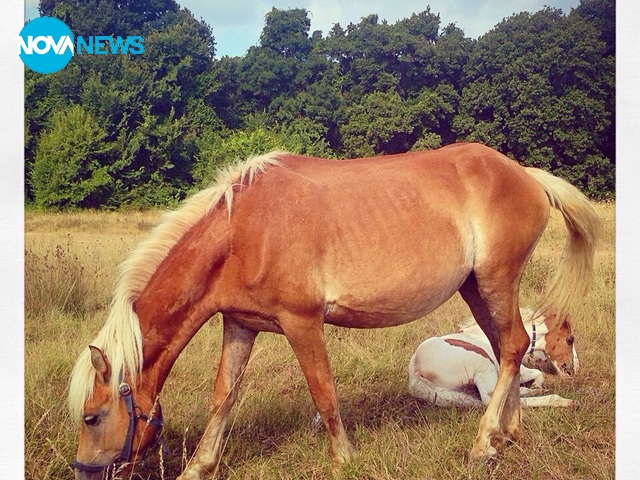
[(566, 293)]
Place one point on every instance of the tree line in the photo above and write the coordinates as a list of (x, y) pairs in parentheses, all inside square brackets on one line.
[(109, 131)]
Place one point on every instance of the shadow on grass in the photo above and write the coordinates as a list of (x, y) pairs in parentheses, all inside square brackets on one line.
[(263, 429)]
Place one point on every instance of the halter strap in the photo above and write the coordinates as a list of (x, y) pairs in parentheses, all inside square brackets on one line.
[(83, 467), (125, 455), (533, 338), (125, 393)]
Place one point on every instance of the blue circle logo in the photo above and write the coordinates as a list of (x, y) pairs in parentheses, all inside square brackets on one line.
[(46, 44)]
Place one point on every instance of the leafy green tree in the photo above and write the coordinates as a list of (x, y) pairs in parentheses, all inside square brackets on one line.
[(602, 15), (154, 163), (378, 56), (536, 89), (273, 68), (107, 17), (450, 57), (224, 96), (151, 108), (219, 150), (317, 110), (364, 56), (69, 169), (418, 57), (433, 112), (539, 87), (380, 123), (286, 32), (411, 58)]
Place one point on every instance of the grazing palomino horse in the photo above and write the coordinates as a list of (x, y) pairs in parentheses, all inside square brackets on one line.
[(449, 370), (284, 243)]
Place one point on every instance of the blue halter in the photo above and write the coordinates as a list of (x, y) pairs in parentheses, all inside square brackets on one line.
[(533, 338)]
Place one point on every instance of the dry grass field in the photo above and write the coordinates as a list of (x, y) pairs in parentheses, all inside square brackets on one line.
[(70, 268)]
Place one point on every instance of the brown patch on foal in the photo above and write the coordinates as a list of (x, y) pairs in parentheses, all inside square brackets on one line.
[(468, 346)]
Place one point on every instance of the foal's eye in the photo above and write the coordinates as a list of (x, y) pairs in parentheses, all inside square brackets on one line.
[(570, 340), (91, 420)]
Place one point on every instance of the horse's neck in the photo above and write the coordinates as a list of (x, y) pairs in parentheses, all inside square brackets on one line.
[(163, 341), (177, 301)]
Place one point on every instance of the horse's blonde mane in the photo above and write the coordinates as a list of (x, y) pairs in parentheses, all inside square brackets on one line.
[(120, 338)]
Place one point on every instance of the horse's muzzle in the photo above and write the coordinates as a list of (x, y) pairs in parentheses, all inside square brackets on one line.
[(88, 476), (85, 471), (563, 369)]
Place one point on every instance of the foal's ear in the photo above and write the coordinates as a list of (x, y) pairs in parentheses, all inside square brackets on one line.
[(101, 364)]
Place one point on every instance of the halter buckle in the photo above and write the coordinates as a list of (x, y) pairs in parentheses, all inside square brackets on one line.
[(124, 389)]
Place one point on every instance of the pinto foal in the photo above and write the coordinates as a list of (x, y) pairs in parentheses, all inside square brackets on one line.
[(453, 369)]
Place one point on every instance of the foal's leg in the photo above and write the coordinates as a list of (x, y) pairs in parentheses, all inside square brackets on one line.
[(547, 401), (486, 383), (531, 375), (495, 307), (237, 343), (306, 337)]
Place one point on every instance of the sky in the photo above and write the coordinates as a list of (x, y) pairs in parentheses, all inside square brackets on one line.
[(237, 24)]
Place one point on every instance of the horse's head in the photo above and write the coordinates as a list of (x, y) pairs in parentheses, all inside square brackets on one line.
[(116, 429), (552, 348)]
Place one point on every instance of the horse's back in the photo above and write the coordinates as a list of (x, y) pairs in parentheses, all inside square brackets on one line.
[(460, 181)]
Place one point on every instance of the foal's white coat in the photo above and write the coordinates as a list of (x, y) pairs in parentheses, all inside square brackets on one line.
[(447, 370)]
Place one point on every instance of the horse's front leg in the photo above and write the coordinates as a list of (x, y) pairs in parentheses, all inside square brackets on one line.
[(237, 343), (306, 337)]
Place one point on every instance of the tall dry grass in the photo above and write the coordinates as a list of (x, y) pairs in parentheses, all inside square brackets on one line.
[(71, 264)]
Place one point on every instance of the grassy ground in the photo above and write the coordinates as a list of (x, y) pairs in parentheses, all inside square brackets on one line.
[(71, 264)]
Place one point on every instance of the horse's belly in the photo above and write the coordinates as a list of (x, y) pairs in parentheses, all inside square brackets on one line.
[(388, 304), (345, 316)]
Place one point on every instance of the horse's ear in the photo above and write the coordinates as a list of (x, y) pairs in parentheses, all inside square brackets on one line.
[(101, 364)]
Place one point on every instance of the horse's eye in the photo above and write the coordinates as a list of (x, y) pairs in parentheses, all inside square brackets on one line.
[(91, 420), (570, 340)]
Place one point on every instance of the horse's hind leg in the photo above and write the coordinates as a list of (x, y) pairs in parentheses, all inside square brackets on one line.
[(237, 343), (306, 337), (494, 304)]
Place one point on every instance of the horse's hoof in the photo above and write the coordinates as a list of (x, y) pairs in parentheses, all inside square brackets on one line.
[(338, 464), (480, 454), (487, 448)]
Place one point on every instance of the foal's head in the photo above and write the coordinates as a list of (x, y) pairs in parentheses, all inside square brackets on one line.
[(115, 429), (554, 350)]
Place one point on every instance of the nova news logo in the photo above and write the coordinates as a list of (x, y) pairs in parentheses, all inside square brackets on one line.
[(47, 45)]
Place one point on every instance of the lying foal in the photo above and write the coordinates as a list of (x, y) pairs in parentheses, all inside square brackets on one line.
[(451, 370)]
